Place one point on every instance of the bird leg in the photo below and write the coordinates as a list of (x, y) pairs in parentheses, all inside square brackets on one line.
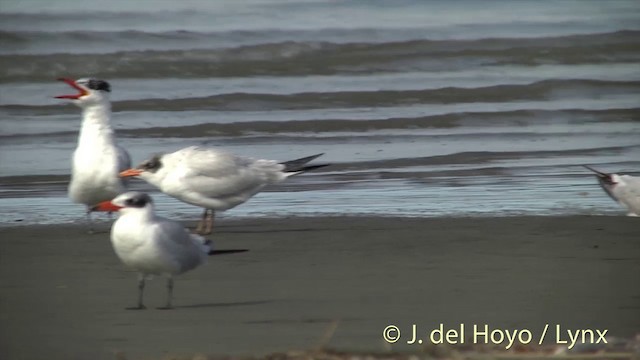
[(205, 226), (169, 294), (200, 227), (210, 223), (140, 294), (89, 221)]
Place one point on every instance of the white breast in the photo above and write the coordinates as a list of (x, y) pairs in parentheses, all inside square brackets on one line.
[(97, 160)]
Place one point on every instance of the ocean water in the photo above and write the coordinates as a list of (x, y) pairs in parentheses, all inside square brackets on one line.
[(424, 108)]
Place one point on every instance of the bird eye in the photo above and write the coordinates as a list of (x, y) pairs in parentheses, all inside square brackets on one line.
[(152, 164), (138, 201), (96, 84)]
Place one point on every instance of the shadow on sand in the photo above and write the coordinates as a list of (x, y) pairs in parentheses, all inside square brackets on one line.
[(227, 304)]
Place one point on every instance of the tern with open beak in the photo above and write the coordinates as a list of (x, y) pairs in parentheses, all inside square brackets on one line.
[(97, 159)]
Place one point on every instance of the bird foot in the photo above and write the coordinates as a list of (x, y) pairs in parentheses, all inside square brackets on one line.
[(167, 307), (139, 307)]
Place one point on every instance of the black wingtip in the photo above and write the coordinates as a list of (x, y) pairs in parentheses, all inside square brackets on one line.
[(298, 164), (311, 167), (227, 251)]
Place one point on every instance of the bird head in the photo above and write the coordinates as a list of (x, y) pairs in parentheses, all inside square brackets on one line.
[(146, 170), (129, 201), (604, 178), (607, 181), (90, 91)]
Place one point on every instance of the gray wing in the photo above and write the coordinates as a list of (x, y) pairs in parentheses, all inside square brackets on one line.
[(124, 159), (184, 250), (217, 173)]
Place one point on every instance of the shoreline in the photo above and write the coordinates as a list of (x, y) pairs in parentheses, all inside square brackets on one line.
[(66, 291)]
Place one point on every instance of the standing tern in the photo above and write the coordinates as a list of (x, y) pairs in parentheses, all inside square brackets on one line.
[(97, 159), (214, 179), (154, 245), (624, 189)]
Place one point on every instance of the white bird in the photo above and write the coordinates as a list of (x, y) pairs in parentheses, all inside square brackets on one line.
[(97, 159), (154, 245), (624, 189), (214, 179)]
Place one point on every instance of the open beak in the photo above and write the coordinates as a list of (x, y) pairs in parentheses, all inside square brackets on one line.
[(600, 174), (604, 177), (130, 173), (81, 92), (106, 206)]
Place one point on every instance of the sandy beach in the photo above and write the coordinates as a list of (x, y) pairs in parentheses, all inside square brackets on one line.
[(63, 293)]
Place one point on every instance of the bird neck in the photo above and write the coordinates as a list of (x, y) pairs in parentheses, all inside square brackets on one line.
[(96, 125), (152, 178), (145, 214)]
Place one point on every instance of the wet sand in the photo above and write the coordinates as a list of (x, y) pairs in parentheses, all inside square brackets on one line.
[(63, 293)]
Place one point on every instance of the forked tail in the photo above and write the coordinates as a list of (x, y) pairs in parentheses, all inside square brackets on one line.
[(297, 166)]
